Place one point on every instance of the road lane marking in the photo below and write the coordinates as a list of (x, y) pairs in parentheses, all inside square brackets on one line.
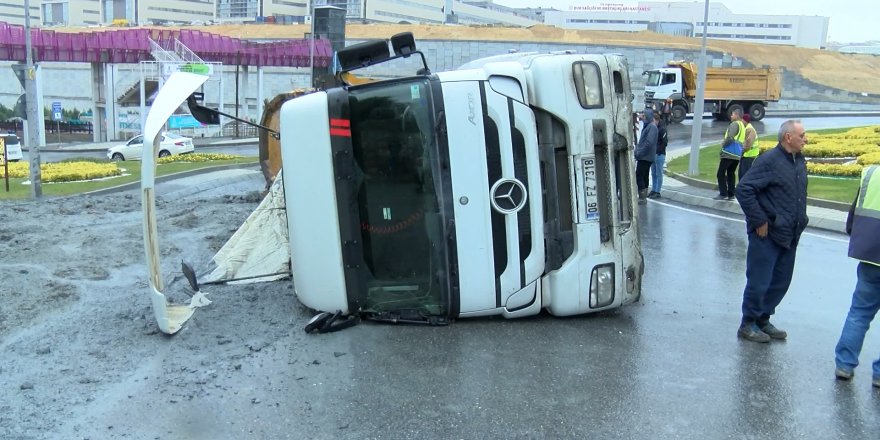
[(738, 220)]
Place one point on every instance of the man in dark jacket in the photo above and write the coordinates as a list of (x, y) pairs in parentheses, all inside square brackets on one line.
[(773, 197), (646, 150)]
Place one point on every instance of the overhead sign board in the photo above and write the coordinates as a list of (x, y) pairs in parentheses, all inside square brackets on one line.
[(199, 68)]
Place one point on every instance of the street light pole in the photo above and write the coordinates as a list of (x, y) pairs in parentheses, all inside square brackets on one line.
[(32, 112), (697, 131), (312, 45)]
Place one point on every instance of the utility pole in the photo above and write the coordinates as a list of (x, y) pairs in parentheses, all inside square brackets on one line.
[(32, 113), (697, 131)]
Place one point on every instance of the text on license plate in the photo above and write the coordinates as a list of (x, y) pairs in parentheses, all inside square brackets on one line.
[(591, 200)]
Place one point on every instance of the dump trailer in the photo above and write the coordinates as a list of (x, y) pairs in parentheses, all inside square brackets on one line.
[(504, 187), (727, 90)]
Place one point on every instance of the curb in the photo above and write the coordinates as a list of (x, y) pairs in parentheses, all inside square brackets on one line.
[(811, 201), (732, 207)]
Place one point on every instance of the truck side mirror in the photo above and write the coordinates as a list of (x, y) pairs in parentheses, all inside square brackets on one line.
[(403, 44), (363, 54), (199, 112)]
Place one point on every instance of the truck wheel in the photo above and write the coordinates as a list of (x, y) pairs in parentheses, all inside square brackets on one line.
[(678, 113), (733, 108), (756, 111)]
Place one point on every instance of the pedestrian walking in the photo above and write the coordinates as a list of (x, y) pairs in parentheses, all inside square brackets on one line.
[(731, 150), (863, 225), (750, 147), (773, 197), (645, 153), (659, 161)]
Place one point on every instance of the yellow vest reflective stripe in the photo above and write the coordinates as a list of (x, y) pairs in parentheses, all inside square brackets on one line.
[(754, 151), (863, 242)]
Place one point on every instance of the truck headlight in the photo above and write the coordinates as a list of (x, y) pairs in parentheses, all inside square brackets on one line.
[(602, 286)]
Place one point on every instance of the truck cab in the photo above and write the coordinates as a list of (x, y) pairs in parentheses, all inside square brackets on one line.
[(502, 188)]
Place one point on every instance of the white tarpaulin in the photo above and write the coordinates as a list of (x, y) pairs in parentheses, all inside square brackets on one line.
[(259, 247)]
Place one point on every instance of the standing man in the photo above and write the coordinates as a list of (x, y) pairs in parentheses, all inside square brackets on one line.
[(659, 161), (863, 225), (773, 197), (750, 147), (731, 150), (667, 111), (646, 150)]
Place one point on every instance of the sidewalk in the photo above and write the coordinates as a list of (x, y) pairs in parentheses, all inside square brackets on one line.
[(824, 215), (103, 146)]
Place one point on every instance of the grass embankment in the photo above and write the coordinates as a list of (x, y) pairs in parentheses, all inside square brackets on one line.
[(834, 188), (130, 172)]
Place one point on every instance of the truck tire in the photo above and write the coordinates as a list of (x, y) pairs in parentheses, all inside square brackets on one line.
[(756, 111), (678, 113), (732, 108)]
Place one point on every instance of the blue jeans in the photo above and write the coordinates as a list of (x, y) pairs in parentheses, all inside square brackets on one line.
[(657, 173), (769, 268), (865, 303)]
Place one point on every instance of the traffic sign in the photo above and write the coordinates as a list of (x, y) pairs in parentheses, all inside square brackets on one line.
[(56, 111)]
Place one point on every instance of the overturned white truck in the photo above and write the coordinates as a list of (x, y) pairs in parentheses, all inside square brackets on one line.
[(501, 188)]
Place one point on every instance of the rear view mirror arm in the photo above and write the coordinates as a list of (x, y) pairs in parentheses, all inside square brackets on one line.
[(207, 115)]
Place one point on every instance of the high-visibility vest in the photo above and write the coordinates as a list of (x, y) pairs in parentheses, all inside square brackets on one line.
[(863, 242), (740, 135), (754, 151)]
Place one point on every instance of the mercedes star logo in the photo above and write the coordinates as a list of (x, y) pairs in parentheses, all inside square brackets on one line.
[(508, 196)]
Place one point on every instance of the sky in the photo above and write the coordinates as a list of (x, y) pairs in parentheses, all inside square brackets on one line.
[(851, 20)]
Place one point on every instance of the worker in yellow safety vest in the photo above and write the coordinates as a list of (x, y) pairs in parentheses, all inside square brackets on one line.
[(731, 152), (863, 225), (750, 146)]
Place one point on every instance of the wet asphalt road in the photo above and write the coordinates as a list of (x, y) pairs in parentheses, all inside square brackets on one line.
[(669, 367)]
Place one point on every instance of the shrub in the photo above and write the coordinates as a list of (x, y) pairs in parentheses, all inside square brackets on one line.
[(197, 157)]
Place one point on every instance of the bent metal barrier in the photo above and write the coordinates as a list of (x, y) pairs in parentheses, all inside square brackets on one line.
[(133, 45)]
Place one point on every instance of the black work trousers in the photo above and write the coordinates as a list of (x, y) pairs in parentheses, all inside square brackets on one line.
[(727, 176), (643, 169)]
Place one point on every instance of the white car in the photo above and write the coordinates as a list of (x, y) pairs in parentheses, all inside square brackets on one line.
[(171, 144), (13, 147)]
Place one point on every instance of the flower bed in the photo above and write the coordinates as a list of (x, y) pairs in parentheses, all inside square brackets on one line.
[(65, 171), (83, 170), (861, 143)]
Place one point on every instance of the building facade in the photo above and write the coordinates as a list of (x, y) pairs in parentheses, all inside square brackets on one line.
[(791, 30)]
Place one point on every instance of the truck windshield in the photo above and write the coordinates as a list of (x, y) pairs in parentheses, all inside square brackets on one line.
[(394, 148), (653, 78)]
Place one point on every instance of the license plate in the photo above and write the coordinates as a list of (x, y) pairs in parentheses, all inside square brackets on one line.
[(591, 199)]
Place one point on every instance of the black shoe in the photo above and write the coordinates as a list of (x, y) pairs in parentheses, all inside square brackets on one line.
[(653, 195), (751, 332), (731, 198), (719, 197), (772, 331)]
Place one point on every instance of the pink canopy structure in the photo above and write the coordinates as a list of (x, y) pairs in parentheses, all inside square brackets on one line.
[(133, 45)]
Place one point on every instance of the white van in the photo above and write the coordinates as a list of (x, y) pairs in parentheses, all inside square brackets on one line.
[(13, 147)]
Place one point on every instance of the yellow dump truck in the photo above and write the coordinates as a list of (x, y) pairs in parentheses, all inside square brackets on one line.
[(727, 89)]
